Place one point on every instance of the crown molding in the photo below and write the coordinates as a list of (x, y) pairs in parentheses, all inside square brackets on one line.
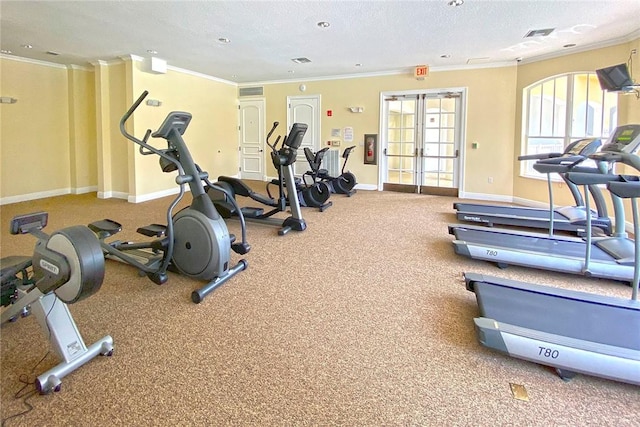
[(593, 46), (32, 61)]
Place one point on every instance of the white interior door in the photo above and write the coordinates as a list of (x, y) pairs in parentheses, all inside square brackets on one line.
[(305, 109), (252, 139)]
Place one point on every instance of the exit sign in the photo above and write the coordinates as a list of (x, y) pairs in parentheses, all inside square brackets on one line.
[(421, 72)]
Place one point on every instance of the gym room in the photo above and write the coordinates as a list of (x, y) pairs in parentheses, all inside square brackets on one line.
[(159, 269)]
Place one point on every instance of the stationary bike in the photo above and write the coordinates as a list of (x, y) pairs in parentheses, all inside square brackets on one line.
[(195, 242), (283, 159), (66, 267), (343, 184)]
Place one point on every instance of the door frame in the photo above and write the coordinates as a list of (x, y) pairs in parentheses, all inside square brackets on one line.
[(382, 141), (263, 107)]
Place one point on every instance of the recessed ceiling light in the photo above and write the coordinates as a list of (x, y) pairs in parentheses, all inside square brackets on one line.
[(27, 46), (291, 71), (445, 56), (456, 3), (52, 53), (301, 60), (151, 51), (570, 45), (358, 65), (323, 24), (224, 40), (7, 51)]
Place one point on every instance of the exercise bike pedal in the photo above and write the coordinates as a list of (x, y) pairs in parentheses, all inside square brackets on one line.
[(152, 230), (105, 227)]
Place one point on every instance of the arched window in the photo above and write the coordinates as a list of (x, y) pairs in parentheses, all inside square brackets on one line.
[(562, 109)]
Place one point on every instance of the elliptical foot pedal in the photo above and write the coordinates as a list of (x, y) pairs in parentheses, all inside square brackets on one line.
[(248, 212), (152, 230), (105, 227)]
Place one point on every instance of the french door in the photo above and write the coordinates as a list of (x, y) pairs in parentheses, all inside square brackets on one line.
[(421, 142)]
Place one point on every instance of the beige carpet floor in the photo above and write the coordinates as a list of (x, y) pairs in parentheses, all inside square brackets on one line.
[(361, 320)]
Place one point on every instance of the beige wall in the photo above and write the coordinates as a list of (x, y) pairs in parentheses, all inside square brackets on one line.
[(490, 117), (82, 130), (628, 108), (34, 148), (71, 118), (212, 134)]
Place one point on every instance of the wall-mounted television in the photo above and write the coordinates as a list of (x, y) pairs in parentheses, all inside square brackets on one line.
[(614, 78)]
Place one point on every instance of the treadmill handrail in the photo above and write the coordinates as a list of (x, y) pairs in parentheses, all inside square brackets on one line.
[(585, 178)]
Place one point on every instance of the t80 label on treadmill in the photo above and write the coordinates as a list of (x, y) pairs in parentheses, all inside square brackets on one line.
[(548, 352)]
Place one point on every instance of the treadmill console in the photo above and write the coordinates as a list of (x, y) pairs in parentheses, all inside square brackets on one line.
[(625, 139), (584, 147)]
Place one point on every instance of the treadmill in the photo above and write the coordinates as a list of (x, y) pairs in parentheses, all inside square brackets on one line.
[(567, 218), (610, 257), (572, 331)]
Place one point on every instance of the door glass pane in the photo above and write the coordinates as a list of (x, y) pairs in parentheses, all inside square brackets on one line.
[(431, 149), (447, 149), (448, 105), (394, 135), (447, 135), (408, 149), (432, 120), (431, 135), (393, 148), (408, 135)]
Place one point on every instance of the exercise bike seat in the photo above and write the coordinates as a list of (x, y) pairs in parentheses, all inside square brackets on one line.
[(315, 160)]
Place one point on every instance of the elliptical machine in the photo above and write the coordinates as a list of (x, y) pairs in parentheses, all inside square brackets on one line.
[(195, 242), (225, 190), (343, 184), (66, 267), (310, 195)]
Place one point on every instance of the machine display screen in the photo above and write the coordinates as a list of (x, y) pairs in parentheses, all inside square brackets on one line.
[(625, 138)]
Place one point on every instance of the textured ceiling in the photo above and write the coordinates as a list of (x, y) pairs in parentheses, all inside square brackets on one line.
[(382, 36)]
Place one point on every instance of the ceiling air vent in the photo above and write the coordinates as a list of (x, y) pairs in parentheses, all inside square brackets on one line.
[(539, 33), (301, 60), (251, 91)]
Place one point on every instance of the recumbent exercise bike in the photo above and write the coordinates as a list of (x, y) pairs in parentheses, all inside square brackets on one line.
[(342, 184)]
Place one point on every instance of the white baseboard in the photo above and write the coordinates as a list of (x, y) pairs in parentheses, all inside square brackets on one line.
[(34, 196), (84, 190), (366, 187), (112, 195), (154, 195)]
